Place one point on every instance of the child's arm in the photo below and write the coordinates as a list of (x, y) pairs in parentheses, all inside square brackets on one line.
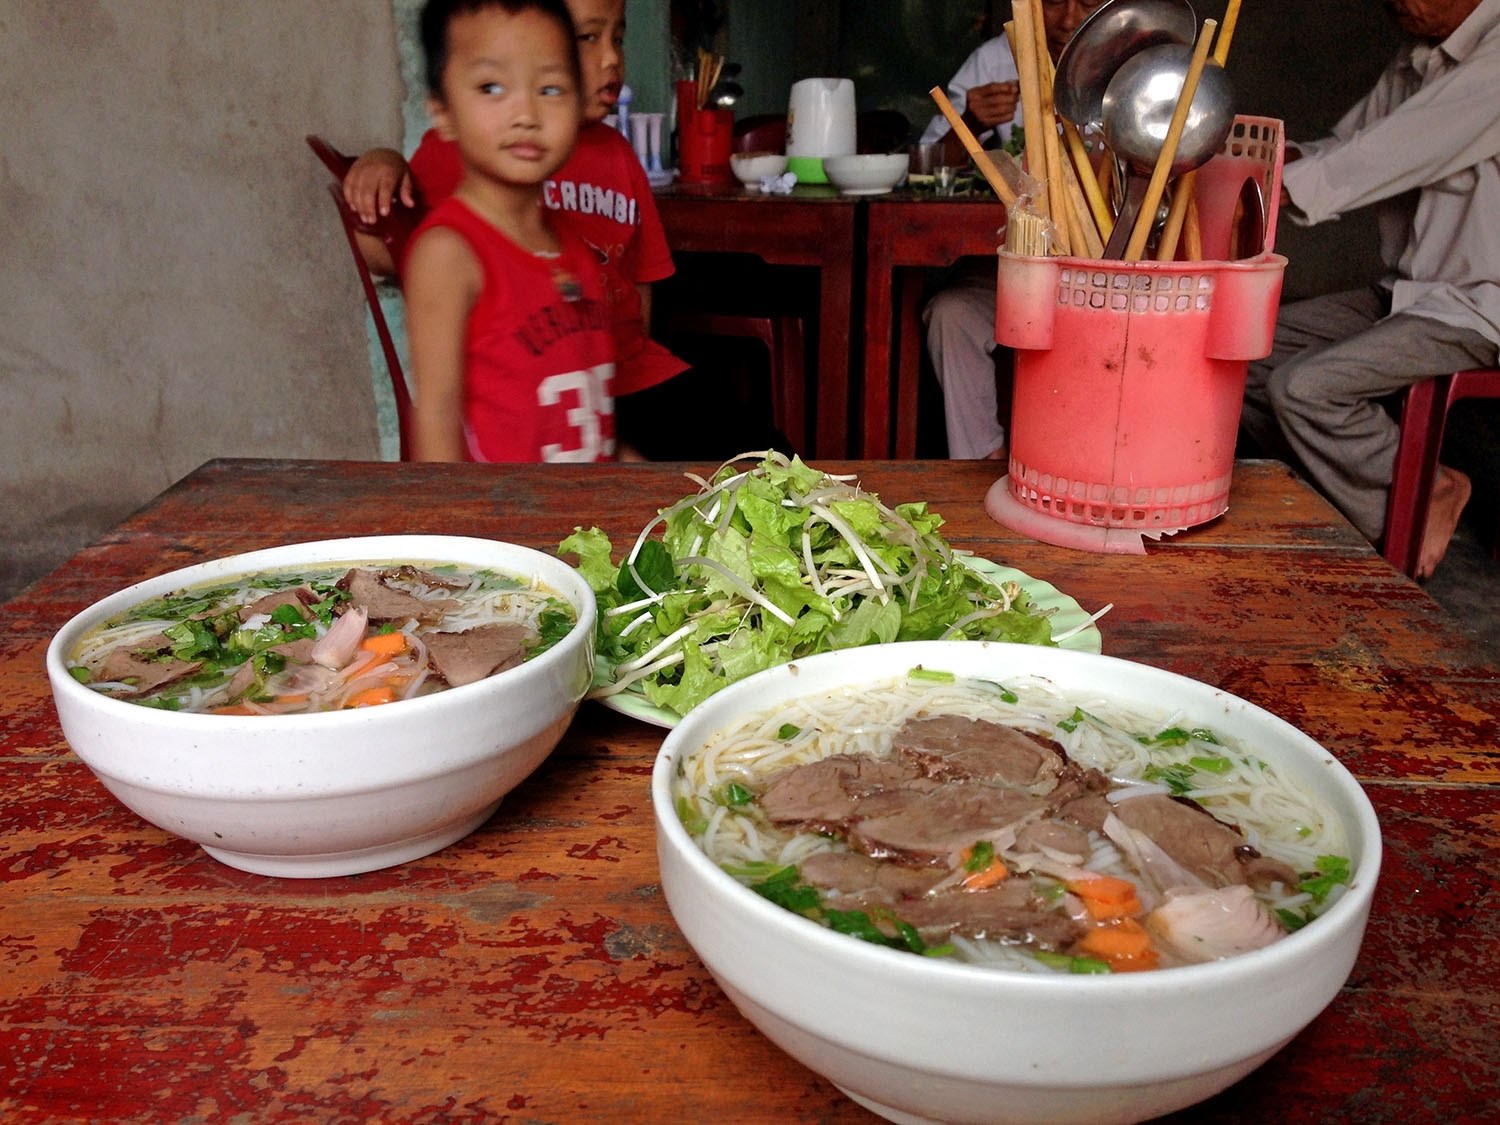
[(373, 181), (442, 282)]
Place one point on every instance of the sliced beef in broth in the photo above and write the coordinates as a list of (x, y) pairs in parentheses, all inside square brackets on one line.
[(144, 667), (952, 747), (1008, 912), (1210, 849), (823, 796), (931, 827), (367, 588), (463, 658)]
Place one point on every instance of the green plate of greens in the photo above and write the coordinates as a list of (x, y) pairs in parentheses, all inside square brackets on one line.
[(776, 561)]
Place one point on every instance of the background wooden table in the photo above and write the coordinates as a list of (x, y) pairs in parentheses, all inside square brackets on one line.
[(532, 973), (907, 232), (811, 227)]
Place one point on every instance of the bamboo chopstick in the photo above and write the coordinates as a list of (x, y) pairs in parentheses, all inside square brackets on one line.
[(1057, 191), (1083, 169), (1184, 205), (1147, 216), (971, 143), (1024, 46), (1087, 239)]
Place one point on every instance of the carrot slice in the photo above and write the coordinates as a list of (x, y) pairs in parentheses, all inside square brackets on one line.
[(371, 696), (991, 875), (1124, 945), (232, 709), (1107, 897), (385, 644)]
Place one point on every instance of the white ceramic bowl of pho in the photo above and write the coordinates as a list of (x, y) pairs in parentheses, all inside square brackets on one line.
[(1094, 950), (327, 708)]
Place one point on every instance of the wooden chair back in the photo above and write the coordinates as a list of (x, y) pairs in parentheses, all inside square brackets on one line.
[(393, 230)]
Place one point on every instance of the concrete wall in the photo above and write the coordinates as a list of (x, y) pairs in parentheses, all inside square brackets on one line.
[(174, 285)]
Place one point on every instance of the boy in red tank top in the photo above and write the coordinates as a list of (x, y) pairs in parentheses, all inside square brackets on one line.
[(507, 314), (601, 189)]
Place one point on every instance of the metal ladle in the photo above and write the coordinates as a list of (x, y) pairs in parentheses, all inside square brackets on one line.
[(725, 95), (1137, 113), (1103, 42)]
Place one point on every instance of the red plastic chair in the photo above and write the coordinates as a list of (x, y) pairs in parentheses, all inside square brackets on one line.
[(760, 132), (1424, 417), (393, 231)]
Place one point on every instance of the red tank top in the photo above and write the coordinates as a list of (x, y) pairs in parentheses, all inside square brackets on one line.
[(538, 349)]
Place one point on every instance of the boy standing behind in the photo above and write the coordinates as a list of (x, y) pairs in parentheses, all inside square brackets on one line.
[(602, 189), (507, 318)]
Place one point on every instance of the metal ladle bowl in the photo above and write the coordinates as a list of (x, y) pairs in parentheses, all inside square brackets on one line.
[(1137, 114), (1102, 43)]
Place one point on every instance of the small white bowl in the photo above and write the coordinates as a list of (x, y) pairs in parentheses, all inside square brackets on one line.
[(341, 792), (752, 167), (867, 174), (919, 1039)]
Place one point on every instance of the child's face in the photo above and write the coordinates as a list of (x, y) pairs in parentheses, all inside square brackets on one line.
[(601, 50), (510, 99)]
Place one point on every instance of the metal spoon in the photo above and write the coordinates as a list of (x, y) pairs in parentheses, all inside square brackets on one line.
[(725, 94), (1137, 112), (1104, 41)]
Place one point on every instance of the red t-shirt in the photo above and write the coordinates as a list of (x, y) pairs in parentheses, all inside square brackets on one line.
[(538, 350), (603, 191)]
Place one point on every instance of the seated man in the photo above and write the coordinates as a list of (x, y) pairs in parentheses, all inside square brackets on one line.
[(960, 319), (1424, 145)]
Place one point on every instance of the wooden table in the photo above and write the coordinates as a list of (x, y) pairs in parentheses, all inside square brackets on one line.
[(811, 227), (906, 232), (532, 973)]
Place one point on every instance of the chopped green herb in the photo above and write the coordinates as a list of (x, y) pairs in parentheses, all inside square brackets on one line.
[(785, 888), (1213, 764), (788, 731), (80, 673), (1178, 778), (553, 624), (1293, 920), (1070, 724), (1332, 870), (981, 855), (694, 821), (1048, 891), (1088, 965), (1081, 965), (931, 675), (287, 614), (733, 795), (1177, 736)]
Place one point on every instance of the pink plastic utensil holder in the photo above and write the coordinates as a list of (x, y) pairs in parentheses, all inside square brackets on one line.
[(1129, 376)]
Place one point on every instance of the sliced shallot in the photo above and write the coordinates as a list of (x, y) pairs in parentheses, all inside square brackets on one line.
[(1208, 923), (337, 647)]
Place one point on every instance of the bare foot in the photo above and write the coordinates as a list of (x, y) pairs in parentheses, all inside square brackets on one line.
[(1450, 492)]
